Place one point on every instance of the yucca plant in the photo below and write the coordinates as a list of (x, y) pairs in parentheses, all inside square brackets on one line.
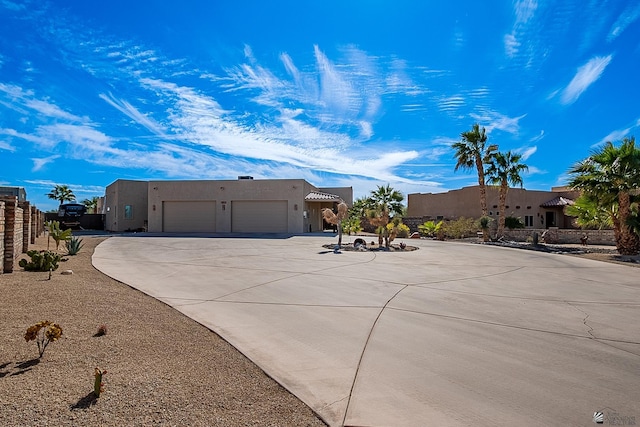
[(57, 234), (74, 245)]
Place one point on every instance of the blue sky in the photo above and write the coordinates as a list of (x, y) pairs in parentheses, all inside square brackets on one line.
[(340, 93)]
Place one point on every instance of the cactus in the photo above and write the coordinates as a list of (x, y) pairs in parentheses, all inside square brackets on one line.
[(97, 383), (40, 261), (74, 245)]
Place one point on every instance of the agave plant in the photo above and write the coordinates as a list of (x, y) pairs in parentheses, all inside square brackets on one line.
[(74, 245)]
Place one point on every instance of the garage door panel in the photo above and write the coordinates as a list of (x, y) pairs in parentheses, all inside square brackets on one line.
[(189, 216), (263, 216)]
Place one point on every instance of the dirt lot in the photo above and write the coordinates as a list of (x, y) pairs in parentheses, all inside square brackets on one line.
[(162, 367)]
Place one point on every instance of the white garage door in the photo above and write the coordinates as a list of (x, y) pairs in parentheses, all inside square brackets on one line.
[(189, 217), (264, 216)]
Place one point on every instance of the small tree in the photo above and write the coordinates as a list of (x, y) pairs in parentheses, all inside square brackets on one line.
[(336, 219)]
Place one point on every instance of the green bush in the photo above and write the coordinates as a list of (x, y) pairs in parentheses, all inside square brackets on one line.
[(41, 261), (460, 228), (430, 228), (512, 222), (402, 230)]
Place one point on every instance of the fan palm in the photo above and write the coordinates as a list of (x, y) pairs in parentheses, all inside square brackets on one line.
[(503, 171), (611, 175), (472, 152), (62, 193)]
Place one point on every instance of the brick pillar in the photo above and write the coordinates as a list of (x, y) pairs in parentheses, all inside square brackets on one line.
[(34, 225), (26, 225), (2, 236), (10, 208)]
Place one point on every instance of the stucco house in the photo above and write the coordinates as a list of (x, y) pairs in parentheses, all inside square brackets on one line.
[(537, 209), (244, 205)]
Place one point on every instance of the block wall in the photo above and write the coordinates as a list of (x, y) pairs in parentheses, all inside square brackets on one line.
[(2, 236)]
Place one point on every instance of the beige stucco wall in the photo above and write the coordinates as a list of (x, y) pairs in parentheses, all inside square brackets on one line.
[(466, 202), (119, 194), (150, 196)]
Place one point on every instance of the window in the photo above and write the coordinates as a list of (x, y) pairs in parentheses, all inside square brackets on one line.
[(528, 221), (128, 212)]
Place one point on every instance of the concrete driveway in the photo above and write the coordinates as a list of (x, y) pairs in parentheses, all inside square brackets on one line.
[(451, 334)]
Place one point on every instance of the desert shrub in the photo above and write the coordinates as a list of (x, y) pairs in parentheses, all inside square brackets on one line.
[(41, 261), (73, 245), (43, 333), (351, 225), (401, 230), (512, 222), (460, 228), (57, 234), (430, 228)]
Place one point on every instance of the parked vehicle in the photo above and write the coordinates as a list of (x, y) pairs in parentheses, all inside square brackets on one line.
[(69, 214)]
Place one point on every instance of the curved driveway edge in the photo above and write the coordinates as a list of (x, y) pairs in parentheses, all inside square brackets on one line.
[(450, 334)]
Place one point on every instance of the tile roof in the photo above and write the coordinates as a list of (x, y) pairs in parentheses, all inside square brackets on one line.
[(557, 202), (318, 196)]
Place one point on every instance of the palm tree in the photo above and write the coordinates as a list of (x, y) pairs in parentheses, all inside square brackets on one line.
[(610, 175), (385, 203), (473, 153), (589, 213), (91, 204), (504, 170), (62, 193), (387, 197)]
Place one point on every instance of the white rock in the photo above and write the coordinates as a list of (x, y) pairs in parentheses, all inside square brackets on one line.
[(66, 272)]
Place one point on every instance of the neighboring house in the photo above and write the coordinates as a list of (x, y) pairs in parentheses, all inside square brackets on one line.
[(18, 192), (244, 205), (537, 209)]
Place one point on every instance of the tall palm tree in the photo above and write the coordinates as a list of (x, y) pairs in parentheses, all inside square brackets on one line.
[(610, 175), (472, 152), (504, 170), (62, 193)]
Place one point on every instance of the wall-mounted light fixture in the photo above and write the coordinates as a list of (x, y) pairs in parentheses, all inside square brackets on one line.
[(154, 207), (295, 207)]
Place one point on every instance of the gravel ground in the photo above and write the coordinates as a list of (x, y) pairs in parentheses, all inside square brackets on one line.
[(162, 367)]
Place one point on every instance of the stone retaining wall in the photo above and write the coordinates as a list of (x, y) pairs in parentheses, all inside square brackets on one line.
[(552, 234), (2, 236), (563, 236)]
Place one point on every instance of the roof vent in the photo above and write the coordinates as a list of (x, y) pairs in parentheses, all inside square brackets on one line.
[(245, 177)]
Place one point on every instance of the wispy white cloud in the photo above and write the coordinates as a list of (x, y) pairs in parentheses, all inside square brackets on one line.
[(130, 111), (586, 75), (492, 120), (537, 137), (5, 145), (526, 152), (626, 18), (39, 163), (22, 101), (524, 11), (450, 103), (617, 134)]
